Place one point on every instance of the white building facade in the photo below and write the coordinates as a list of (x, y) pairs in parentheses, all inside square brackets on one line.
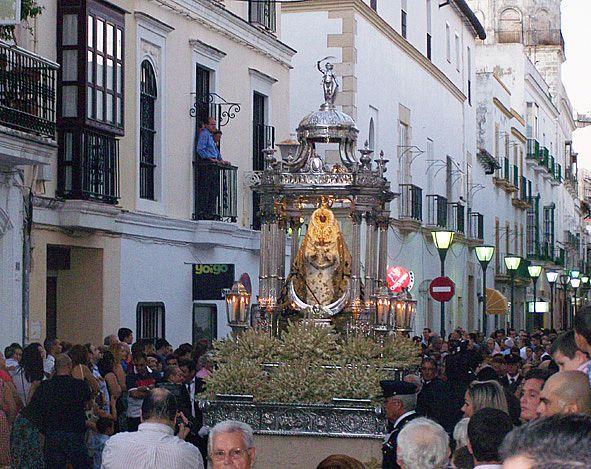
[(130, 227), (525, 120)]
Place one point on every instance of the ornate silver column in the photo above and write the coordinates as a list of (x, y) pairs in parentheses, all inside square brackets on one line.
[(370, 254), (295, 224), (383, 225), (357, 218)]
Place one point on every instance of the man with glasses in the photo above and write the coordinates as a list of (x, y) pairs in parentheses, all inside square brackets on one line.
[(433, 401), (231, 445)]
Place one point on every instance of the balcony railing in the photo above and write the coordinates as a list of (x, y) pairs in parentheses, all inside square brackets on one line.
[(436, 211), (533, 149), (544, 157), (456, 217), (263, 13), (476, 225), (27, 91), (410, 202), (88, 166), (546, 251), (216, 194), (523, 189), (550, 164)]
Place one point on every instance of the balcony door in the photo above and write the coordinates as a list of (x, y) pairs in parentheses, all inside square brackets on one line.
[(259, 142)]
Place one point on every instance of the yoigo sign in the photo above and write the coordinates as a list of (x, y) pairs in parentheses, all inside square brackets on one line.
[(211, 280)]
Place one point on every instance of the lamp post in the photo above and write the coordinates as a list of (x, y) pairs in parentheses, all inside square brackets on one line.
[(575, 273), (442, 240), (484, 255), (552, 277), (512, 264), (564, 280), (575, 283), (534, 273), (584, 287)]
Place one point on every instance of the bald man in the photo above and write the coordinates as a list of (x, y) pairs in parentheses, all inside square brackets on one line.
[(566, 392)]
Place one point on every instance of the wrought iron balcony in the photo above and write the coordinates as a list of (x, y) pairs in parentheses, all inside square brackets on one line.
[(263, 13), (533, 149), (410, 202), (456, 217), (27, 91), (436, 211), (88, 166), (216, 191), (476, 226)]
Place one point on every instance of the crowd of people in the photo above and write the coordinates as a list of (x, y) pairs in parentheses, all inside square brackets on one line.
[(514, 399)]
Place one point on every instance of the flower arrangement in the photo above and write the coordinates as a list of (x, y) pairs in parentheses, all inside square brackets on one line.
[(311, 365)]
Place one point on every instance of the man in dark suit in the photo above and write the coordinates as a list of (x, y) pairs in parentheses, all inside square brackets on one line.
[(512, 379), (434, 399), (400, 401)]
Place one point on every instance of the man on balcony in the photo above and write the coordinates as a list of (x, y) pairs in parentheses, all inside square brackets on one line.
[(206, 146)]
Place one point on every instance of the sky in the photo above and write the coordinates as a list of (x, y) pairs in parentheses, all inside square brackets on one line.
[(576, 71)]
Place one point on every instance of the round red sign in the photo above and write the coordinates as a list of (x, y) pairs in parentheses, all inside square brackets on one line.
[(442, 289), (399, 279)]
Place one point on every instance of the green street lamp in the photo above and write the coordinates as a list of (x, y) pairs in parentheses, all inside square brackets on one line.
[(552, 277), (575, 283), (564, 280), (484, 255), (512, 263), (534, 272), (442, 240)]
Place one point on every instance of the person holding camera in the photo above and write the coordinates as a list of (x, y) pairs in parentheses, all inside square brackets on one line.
[(154, 445)]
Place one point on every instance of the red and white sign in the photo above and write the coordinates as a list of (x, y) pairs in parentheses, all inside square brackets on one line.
[(442, 289), (399, 279)]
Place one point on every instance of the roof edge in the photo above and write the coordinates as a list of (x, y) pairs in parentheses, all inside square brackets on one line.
[(474, 21)]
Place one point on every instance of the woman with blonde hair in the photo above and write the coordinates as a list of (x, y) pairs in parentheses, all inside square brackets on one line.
[(481, 394)]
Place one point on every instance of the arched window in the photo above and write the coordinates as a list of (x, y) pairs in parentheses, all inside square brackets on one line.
[(510, 26), (543, 29), (148, 95), (372, 136)]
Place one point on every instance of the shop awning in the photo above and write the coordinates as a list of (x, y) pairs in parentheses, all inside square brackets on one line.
[(496, 303)]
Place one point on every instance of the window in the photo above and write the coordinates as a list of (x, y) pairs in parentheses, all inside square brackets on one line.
[(448, 43), (403, 151), (150, 321), (104, 65), (374, 5), (429, 25), (403, 26), (148, 95), (457, 42), (510, 26), (372, 137), (262, 13), (548, 244)]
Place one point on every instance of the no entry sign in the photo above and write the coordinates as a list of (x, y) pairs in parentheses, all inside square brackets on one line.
[(442, 289)]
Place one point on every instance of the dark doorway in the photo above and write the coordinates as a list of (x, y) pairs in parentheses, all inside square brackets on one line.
[(51, 308), (205, 322)]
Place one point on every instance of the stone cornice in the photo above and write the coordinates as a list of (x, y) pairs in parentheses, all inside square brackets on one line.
[(86, 217), (216, 18), (262, 76), (155, 23), (497, 102), (378, 22), (205, 49)]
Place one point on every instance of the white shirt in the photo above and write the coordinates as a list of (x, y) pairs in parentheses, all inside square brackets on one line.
[(191, 390), (49, 364), (153, 446)]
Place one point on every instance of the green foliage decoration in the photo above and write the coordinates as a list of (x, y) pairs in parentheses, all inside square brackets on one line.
[(309, 365)]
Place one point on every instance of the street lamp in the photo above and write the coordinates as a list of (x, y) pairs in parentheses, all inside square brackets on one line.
[(484, 255), (552, 277), (442, 240), (564, 280), (575, 283), (575, 273), (534, 272), (584, 287), (237, 307), (512, 264)]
